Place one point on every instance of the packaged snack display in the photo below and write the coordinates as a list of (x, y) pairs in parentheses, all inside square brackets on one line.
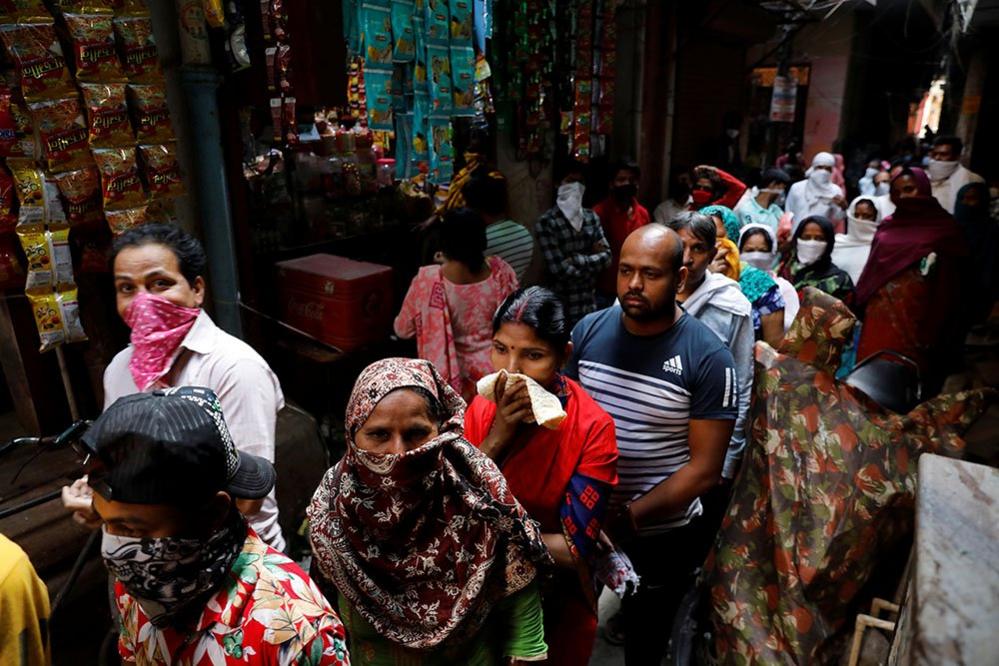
[(378, 83), (8, 130), (37, 53), (120, 184), (404, 41), (55, 214), (137, 47), (107, 115), (62, 133), (57, 317), (39, 257), (8, 201), (62, 259), (30, 187), (81, 190), (161, 170), (377, 33), (94, 50), (150, 113), (24, 131), (121, 221), (24, 11)]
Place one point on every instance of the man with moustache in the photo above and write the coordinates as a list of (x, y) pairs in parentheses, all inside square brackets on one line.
[(670, 385)]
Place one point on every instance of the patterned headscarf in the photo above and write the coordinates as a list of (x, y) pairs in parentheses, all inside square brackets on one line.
[(728, 218), (422, 544)]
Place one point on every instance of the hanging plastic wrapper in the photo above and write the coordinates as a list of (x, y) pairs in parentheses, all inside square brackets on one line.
[(107, 115), (403, 38), (137, 45), (38, 55), (62, 133), (94, 51), (441, 150)]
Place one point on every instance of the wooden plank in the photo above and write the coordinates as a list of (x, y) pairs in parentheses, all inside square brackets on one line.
[(15, 371)]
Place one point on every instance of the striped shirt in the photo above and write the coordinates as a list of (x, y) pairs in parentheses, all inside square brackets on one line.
[(512, 243), (652, 387)]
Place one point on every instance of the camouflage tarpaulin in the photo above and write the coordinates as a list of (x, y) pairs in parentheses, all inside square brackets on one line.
[(827, 488)]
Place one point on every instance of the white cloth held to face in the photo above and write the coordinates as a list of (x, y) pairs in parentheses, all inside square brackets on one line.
[(570, 202)]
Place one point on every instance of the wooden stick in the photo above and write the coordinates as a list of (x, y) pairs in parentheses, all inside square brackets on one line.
[(67, 384)]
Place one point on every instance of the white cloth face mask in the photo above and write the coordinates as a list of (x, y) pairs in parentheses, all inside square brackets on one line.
[(809, 251)]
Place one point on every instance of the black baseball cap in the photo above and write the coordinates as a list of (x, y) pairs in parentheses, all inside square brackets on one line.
[(170, 446)]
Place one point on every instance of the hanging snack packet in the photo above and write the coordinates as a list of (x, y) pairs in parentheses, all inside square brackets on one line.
[(120, 184), (436, 24), (441, 150), (107, 115), (24, 132), (121, 221), (94, 47), (55, 215), (62, 133), (129, 7), (378, 84), (137, 47), (461, 23), (214, 13), (37, 251), (404, 47), (8, 202), (439, 61), (23, 11), (83, 6), (161, 170), (81, 191), (62, 259), (377, 33), (69, 308), (30, 185), (463, 80), (36, 51), (48, 318), (8, 129), (150, 113)]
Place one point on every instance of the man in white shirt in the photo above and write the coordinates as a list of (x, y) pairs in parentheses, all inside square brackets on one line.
[(947, 175), (160, 288)]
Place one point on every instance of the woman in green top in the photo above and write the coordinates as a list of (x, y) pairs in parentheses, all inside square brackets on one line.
[(433, 560)]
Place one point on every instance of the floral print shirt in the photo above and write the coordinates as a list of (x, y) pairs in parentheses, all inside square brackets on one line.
[(267, 612)]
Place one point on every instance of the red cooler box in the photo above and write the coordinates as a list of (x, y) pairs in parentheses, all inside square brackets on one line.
[(343, 302)]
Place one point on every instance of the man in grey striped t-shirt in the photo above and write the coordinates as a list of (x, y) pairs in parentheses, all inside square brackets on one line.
[(670, 385), (506, 239)]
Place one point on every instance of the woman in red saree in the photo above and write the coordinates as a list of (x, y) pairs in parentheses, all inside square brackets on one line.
[(911, 288), (562, 477)]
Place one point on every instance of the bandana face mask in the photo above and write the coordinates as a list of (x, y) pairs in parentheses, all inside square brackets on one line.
[(171, 577), (810, 251), (158, 328)]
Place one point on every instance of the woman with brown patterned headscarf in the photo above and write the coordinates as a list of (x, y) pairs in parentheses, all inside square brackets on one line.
[(433, 560)]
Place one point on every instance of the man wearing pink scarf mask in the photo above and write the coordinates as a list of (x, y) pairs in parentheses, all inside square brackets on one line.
[(160, 288)]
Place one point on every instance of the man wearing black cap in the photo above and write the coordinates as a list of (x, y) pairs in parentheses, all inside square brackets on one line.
[(193, 583)]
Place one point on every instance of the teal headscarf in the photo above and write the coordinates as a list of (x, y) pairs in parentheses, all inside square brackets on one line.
[(729, 219), (754, 282)]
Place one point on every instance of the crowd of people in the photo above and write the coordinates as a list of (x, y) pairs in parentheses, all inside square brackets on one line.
[(455, 528)]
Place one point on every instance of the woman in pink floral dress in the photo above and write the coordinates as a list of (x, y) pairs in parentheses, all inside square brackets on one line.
[(449, 307)]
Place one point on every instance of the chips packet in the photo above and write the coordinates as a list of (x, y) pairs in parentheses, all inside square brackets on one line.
[(161, 170), (94, 49), (62, 133), (150, 113), (137, 46), (108, 125), (121, 221), (35, 50), (120, 184), (81, 190)]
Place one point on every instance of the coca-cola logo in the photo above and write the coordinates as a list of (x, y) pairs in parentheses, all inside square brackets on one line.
[(306, 309)]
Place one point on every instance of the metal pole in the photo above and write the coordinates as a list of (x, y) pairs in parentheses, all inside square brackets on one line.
[(200, 86)]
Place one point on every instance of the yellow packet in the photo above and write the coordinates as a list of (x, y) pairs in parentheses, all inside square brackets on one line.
[(36, 249), (62, 258), (48, 319), (30, 184)]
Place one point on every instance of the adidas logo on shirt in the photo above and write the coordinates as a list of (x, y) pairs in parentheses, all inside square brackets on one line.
[(673, 365)]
